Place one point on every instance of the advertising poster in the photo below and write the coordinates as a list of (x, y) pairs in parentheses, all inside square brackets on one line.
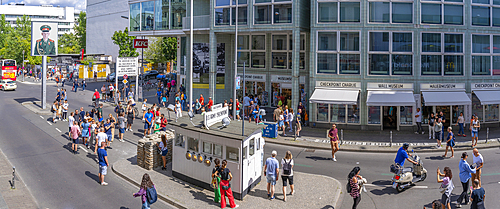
[(43, 38), (201, 65)]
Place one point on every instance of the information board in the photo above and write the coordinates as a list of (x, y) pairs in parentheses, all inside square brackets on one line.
[(215, 116), (127, 66)]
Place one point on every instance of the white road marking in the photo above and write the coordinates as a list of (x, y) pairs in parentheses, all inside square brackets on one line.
[(58, 130), (41, 116), (49, 123), (417, 187), (83, 149)]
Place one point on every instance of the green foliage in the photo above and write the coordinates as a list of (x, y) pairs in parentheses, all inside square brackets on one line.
[(153, 53), (169, 48), (86, 60), (4, 30), (125, 43), (69, 44), (81, 31)]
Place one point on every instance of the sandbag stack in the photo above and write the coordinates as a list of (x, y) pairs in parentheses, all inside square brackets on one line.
[(148, 155)]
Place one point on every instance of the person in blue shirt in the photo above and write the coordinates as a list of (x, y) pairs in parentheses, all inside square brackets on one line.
[(403, 155), (271, 171), (107, 128), (158, 94), (148, 119), (256, 115), (465, 171)]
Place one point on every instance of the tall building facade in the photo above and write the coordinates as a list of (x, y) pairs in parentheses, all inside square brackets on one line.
[(361, 64), (103, 19), (64, 16)]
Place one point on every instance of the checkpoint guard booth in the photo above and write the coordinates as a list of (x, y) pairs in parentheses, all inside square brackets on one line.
[(201, 140)]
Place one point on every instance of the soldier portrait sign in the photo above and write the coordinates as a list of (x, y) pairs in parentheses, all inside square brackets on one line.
[(43, 38)]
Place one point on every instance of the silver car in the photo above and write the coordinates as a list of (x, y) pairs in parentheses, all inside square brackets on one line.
[(8, 85)]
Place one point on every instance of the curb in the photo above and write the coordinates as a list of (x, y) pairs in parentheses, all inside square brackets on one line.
[(35, 110), (458, 147), (160, 196)]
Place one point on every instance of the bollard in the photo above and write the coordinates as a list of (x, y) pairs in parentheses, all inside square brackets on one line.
[(390, 144), (487, 134), (13, 178), (341, 136)]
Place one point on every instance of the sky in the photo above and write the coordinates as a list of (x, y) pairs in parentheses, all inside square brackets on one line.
[(80, 5)]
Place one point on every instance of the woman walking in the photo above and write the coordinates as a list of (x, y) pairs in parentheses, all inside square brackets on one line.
[(450, 143), (145, 185), (113, 124), (178, 110), (446, 186), (465, 175), (85, 132), (225, 186), (460, 123), (353, 182), (164, 150), (281, 123), (334, 140), (474, 129), (290, 119), (287, 165), (130, 117)]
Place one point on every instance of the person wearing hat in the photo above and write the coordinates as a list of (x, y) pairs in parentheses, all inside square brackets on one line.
[(465, 171), (45, 46)]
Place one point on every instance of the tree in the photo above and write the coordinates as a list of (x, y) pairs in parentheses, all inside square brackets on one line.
[(154, 52), (169, 47), (68, 44), (125, 42), (4, 30), (17, 40), (81, 30)]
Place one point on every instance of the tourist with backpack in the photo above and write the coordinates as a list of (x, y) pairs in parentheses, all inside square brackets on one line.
[(352, 186), (147, 192), (287, 164)]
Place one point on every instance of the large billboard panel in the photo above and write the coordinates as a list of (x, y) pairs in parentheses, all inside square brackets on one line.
[(43, 39)]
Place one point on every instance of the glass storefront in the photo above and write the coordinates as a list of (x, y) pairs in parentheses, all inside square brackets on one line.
[(337, 113), (491, 113), (405, 116), (373, 114), (477, 108)]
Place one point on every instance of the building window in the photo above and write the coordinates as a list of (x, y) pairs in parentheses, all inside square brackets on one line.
[(180, 140), (252, 51), (147, 15), (232, 154), (373, 114), (162, 13), (491, 113), (390, 53), (328, 11), (178, 11), (442, 54), (328, 53), (450, 12), (225, 10), (484, 49), (381, 12), (193, 144), (337, 113), (135, 17), (322, 112), (272, 11), (406, 117), (485, 12), (282, 46)]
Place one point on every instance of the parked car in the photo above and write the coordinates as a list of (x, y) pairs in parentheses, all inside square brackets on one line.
[(8, 85), (150, 74)]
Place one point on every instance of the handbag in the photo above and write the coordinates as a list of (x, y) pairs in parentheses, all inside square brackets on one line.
[(226, 187), (443, 189)]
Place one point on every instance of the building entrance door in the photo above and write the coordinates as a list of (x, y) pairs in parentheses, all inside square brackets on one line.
[(390, 117)]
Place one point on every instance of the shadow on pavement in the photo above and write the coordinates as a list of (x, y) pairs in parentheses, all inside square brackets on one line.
[(328, 207), (260, 193), (382, 182), (68, 147), (435, 158), (315, 158), (21, 100), (384, 191), (199, 195), (92, 176)]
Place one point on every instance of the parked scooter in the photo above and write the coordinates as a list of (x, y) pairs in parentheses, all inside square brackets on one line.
[(405, 177)]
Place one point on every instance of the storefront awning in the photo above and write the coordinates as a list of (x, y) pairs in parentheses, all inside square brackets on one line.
[(390, 98), (445, 98), (488, 97), (333, 96)]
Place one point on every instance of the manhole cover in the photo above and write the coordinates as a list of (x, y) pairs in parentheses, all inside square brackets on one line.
[(310, 150)]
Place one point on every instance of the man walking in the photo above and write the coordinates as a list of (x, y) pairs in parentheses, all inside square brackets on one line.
[(478, 161), (103, 163), (271, 171), (276, 114), (465, 171), (96, 97), (418, 118), (443, 120), (431, 126)]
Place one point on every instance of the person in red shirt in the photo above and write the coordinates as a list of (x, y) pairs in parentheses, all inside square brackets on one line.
[(164, 123), (202, 100), (237, 109), (210, 103), (96, 96)]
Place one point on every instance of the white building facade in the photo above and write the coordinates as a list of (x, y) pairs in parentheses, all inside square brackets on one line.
[(64, 16)]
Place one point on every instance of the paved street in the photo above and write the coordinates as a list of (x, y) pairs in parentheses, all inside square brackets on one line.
[(40, 151), (59, 179)]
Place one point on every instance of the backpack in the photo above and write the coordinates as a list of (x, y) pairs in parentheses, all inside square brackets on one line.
[(348, 187), (151, 195), (287, 167)]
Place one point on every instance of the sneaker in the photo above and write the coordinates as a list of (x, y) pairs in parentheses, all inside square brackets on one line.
[(459, 205), (334, 159), (272, 198), (104, 184), (291, 193), (269, 196), (236, 206), (416, 132), (423, 132), (290, 131)]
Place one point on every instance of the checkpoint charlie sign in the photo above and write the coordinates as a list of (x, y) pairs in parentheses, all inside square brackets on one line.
[(215, 116)]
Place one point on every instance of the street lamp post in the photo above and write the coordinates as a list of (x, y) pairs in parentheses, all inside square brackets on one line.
[(22, 70), (236, 61)]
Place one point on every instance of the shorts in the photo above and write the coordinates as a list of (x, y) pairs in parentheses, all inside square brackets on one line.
[(281, 123), (445, 199), (271, 179), (299, 126), (103, 170), (146, 126), (237, 112), (285, 178), (76, 141), (122, 130), (69, 130), (164, 152), (109, 137), (474, 134)]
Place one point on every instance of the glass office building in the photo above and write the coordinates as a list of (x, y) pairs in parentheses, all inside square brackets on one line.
[(360, 64)]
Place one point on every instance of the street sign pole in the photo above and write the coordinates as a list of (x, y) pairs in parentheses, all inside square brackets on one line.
[(22, 70), (44, 82)]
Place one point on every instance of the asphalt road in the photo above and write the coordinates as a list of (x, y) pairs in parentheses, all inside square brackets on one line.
[(40, 151), (375, 168)]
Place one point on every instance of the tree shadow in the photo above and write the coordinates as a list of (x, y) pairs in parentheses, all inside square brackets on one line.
[(316, 158), (92, 176)]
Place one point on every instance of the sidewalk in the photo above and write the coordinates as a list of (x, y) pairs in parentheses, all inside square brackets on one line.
[(312, 191), (20, 197)]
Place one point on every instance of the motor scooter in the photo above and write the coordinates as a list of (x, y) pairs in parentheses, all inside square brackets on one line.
[(405, 177)]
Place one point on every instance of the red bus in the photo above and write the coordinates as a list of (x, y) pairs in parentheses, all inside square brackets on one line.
[(9, 69)]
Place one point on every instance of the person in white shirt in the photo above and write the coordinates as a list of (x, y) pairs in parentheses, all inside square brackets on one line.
[(65, 110), (178, 110), (71, 119), (144, 106), (101, 137), (478, 161), (246, 104), (418, 119), (290, 119)]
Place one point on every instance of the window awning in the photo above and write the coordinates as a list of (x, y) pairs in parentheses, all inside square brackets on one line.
[(445, 98), (390, 98), (333, 96), (488, 97)]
